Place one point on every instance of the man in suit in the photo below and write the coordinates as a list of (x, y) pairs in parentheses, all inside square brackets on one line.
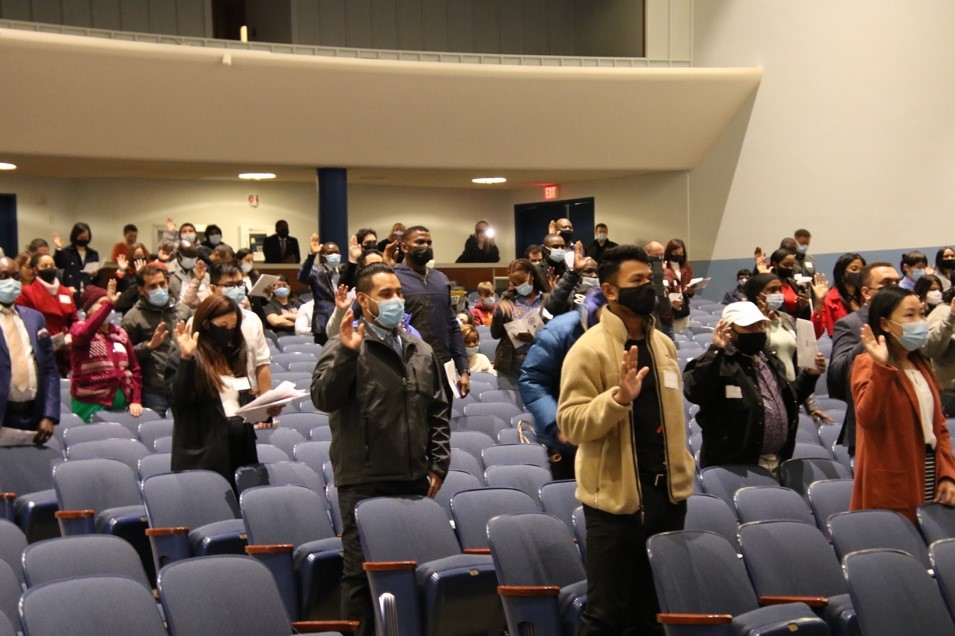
[(847, 344), (29, 382), (280, 247)]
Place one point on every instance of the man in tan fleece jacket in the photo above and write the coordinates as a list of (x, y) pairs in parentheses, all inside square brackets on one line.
[(621, 401)]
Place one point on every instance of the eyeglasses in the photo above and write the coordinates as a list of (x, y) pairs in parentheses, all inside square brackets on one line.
[(231, 285)]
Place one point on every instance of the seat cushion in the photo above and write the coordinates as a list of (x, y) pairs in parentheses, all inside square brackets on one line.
[(776, 619), (302, 552), (454, 562), (219, 537), (106, 519)]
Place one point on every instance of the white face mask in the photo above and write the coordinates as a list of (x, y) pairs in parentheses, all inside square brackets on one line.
[(934, 297)]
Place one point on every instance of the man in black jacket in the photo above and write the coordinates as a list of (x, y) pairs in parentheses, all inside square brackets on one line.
[(389, 418), (280, 247), (749, 412), (847, 344)]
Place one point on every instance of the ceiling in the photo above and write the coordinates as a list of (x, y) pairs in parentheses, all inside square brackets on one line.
[(76, 107)]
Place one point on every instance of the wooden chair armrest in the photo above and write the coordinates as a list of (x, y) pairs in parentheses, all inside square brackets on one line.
[(8, 495), (811, 601), (277, 548), (165, 532), (74, 514), (528, 590), (385, 566), (306, 627), (695, 619), (477, 551)]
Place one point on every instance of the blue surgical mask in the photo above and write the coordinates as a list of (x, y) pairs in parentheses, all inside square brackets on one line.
[(215, 239), (333, 260), (917, 273), (801, 249), (588, 282), (470, 351), (774, 301), (390, 312), (188, 236), (236, 294), (158, 297), (524, 289), (557, 254), (282, 292), (9, 291), (914, 334)]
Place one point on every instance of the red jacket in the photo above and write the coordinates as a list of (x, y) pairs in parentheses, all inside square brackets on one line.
[(103, 363), (890, 446), (58, 310), (824, 320)]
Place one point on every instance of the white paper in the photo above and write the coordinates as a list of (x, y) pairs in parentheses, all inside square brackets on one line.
[(734, 392), (16, 437), (452, 372), (670, 380), (265, 281), (569, 257), (58, 340), (91, 268), (65, 299), (806, 347), (699, 283), (803, 280), (256, 410), (118, 347)]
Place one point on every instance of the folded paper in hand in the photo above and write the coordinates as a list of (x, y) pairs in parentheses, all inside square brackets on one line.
[(16, 437), (699, 283), (257, 409), (530, 323), (265, 281)]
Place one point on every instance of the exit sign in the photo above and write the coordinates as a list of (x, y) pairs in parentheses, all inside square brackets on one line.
[(551, 192)]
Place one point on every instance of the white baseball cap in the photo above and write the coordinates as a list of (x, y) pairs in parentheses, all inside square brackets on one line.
[(743, 314)]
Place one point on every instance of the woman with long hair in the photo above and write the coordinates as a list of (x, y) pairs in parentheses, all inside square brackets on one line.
[(843, 298), (208, 387), (903, 450), (526, 295)]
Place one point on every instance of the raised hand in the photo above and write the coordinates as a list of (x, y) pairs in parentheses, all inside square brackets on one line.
[(354, 249), (722, 334), (314, 245), (57, 240), (351, 337), (159, 335), (122, 262), (170, 224), (188, 342), (552, 227), (341, 298), (875, 347), (111, 294), (391, 251), (820, 286), (580, 261), (199, 271), (138, 264), (631, 380)]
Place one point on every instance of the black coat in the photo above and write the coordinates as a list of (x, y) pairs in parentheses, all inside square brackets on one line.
[(733, 426), (273, 250), (69, 260)]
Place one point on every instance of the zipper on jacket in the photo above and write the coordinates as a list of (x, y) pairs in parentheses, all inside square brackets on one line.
[(663, 425)]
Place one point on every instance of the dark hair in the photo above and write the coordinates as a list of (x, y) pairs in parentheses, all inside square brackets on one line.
[(614, 257), (531, 249), (129, 227), (211, 360), (36, 244), (866, 275), (913, 258), (882, 304), (224, 252), (185, 225), (744, 272), (212, 228), (363, 232), (242, 253), (924, 285), (188, 249), (788, 243), (756, 284), (801, 233), (554, 235), (150, 270), (780, 255), (364, 256), (672, 246), (366, 273), (218, 271), (414, 228), (537, 276), (79, 228), (281, 223), (939, 254), (839, 277), (35, 259), (601, 225)]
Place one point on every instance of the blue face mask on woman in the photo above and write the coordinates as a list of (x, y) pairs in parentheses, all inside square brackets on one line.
[(914, 334), (390, 312), (524, 289)]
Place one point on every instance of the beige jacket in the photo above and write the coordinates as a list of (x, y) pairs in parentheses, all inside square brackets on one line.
[(588, 416)]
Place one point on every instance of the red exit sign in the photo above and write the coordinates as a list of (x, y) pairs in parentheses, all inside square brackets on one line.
[(551, 192)]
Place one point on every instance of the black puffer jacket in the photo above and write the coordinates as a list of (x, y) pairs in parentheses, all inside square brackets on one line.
[(389, 417)]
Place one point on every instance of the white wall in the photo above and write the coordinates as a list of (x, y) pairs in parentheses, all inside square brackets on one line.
[(851, 133)]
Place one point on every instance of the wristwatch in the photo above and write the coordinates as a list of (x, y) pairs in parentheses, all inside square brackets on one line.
[(463, 371)]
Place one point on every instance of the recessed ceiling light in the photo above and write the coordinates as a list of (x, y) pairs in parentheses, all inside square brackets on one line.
[(256, 176), (8, 166), (489, 180)]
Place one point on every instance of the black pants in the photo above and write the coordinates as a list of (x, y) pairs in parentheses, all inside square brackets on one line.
[(356, 592), (621, 598)]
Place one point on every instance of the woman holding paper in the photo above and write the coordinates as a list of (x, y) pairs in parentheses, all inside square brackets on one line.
[(49, 297), (516, 320), (76, 259), (208, 387)]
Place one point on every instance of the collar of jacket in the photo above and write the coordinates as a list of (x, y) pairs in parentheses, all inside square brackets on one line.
[(616, 327)]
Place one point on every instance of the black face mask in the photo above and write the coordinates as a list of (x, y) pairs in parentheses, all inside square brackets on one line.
[(784, 273), (282, 233), (679, 260), (82, 242), (221, 336), (369, 245), (568, 236), (948, 263), (640, 300), (421, 255), (854, 279), (46, 275), (750, 343)]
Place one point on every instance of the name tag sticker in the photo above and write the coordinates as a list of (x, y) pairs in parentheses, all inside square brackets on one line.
[(734, 392), (118, 347), (241, 384), (670, 380), (65, 299)]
